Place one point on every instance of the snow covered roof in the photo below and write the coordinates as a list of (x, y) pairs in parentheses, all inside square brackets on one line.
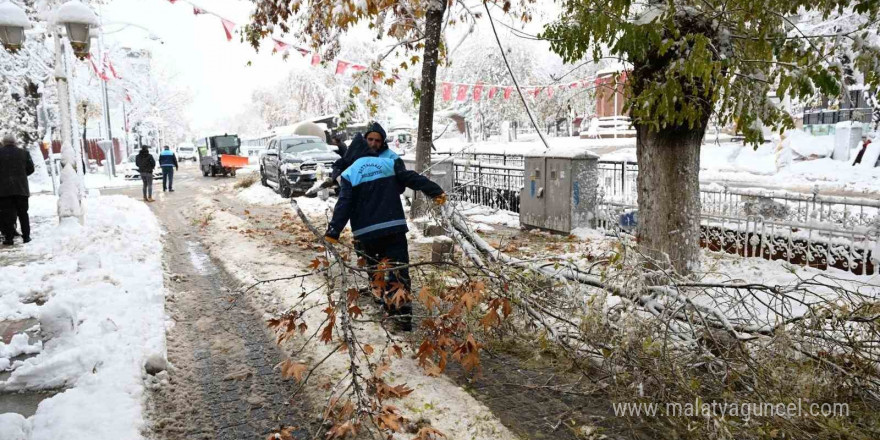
[(12, 15), (565, 153), (611, 69), (76, 12)]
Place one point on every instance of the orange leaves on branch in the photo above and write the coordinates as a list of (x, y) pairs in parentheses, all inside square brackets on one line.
[(285, 326), (327, 333), (293, 369), (427, 299), (428, 433), (390, 419), (343, 430), (468, 353)]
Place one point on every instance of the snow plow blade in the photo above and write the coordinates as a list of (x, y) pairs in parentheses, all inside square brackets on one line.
[(230, 161)]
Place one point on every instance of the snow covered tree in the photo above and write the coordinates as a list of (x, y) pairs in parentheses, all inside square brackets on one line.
[(416, 26), (692, 59)]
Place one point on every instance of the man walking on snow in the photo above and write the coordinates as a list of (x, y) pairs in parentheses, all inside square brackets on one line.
[(146, 164), (168, 162), (369, 196), (15, 165)]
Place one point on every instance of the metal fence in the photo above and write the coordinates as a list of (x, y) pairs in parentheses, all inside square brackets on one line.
[(513, 160), (496, 186), (617, 179), (807, 229)]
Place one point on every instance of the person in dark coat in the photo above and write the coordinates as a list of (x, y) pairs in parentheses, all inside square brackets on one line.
[(168, 162), (15, 167), (369, 198), (146, 164)]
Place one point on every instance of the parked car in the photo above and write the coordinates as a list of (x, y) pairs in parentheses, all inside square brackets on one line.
[(130, 170), (186, 151), (291, 163)]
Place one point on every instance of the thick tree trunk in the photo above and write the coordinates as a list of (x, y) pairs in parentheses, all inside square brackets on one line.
[(433, 30), (669, 195)]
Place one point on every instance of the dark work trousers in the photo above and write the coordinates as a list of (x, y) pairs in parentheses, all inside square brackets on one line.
[(167, 178), (395, 248), (147, 178), (12, 208)]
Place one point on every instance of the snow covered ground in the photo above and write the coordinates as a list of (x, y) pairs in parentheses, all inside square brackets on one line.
[(719, 162), (102, 314), (449, 408)]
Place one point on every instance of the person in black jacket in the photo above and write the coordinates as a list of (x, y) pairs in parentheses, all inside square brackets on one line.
[(146, 164), (369, 197), (15, 167)]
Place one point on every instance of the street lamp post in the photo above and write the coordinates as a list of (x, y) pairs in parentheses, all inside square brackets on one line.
[(77, 19)]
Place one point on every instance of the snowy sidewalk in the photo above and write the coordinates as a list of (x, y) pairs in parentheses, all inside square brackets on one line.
[(96, 291)]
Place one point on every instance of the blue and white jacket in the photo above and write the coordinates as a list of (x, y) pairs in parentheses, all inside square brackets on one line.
[(369, 196), (167, 158)]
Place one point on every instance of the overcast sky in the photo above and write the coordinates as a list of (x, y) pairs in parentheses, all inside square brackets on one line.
[(213, 69)]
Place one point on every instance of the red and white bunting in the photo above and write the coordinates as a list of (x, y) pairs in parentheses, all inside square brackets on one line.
[(127, 96), (228, 27), (550, 91), (507, 91), (341, 67), (492, 92), (447, 91), (478, 92), (99, 74), (573, 85), (109, 65), (172, 1), (316, 59), (462, 92), (280, 46), (198, 11), (358, 67)]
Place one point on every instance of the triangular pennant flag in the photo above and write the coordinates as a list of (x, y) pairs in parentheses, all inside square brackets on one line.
[(462, 92), (341, 67), (280, 46), (447, 91), (573, 85), (99, 74), (507, 92), (173, 1), (109, 65), (197, 10), (127, 97), (358, 67), (478, 92), (316, 59), (492, 92), (549, 92), (228, 27), (303, 52), (535, 92)]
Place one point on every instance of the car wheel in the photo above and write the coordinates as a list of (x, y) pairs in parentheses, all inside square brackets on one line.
[(263, 179), (213, 172), (285, 190), (205, 173)]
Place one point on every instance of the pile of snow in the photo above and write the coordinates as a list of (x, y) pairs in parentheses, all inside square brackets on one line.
[(806, 146), (316, 206), (103, 313), (485, 214), (257, 194)]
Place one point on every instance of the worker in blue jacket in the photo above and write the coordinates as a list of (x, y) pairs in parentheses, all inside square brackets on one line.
[(369, 197), (168, 162)]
